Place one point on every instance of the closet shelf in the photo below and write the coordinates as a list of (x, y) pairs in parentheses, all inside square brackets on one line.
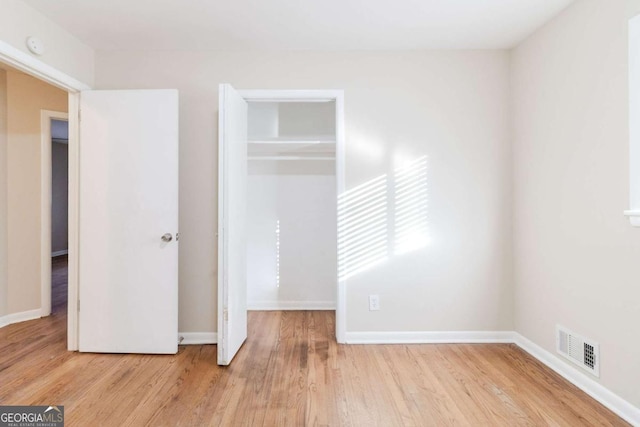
[(292, 147)]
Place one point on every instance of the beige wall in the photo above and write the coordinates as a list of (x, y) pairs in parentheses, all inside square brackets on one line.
[(3, 193), (67, 54), (577, 259), (450, 106), (63, 51), (26, 98)]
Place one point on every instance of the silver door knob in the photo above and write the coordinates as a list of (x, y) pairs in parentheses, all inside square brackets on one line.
[(167, 237)]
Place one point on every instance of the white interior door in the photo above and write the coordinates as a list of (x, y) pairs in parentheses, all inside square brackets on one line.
[(128, 266), (232, 246)]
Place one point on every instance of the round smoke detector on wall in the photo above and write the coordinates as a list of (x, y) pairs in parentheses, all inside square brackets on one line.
[(35, 45)]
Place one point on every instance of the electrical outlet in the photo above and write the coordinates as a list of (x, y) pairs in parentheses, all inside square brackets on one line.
[(374, 303)]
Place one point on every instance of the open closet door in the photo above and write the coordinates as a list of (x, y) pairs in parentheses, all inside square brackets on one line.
[(128, 264), (232, 246)]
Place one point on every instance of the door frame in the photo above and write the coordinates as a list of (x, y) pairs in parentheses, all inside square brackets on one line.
[(319, 96), (45, 72), (46, 184)]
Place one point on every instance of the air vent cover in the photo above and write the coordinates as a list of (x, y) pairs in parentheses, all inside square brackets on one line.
[(578, 349)]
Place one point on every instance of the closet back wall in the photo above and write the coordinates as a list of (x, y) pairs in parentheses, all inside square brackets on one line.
[(291, 215), (450, 106)]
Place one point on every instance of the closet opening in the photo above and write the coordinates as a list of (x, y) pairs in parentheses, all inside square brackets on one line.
[(291, 205), (280, 176)]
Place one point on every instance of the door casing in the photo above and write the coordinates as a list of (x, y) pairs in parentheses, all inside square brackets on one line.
[(45, 205), (40, 70), (318, 96)]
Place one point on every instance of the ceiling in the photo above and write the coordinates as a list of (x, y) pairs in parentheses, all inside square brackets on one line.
[(300, 24)]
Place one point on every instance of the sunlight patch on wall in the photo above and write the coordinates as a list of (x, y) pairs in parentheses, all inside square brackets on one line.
[(362, 227), (386, 216), (410, 204)]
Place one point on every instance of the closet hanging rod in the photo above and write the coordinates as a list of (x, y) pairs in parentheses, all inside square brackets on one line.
[(292, 141), (289, 158)]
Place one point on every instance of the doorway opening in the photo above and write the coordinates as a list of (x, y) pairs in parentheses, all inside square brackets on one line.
[(291, 205), (59, 137), (285, 150), (31, 95), (54, 211)]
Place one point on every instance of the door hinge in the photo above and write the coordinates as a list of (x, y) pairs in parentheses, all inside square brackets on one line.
[(78, 305)]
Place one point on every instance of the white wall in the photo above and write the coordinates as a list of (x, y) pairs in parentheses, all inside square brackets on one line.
[(303, 200), (577, 257), (63, 51), (450, 106), (3, 193)]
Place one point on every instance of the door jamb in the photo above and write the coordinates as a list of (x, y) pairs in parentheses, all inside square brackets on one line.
[(317, 96), (40, 70)]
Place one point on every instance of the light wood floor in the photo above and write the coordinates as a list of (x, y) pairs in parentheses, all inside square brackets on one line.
[(290, 372)]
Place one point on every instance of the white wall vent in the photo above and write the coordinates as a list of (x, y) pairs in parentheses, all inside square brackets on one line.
[(581, 351)]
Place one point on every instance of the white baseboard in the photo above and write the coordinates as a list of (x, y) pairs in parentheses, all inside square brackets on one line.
[(198, 338), (22, 316), (615, 403), (291, 305), (429, 337), (59, 253)]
